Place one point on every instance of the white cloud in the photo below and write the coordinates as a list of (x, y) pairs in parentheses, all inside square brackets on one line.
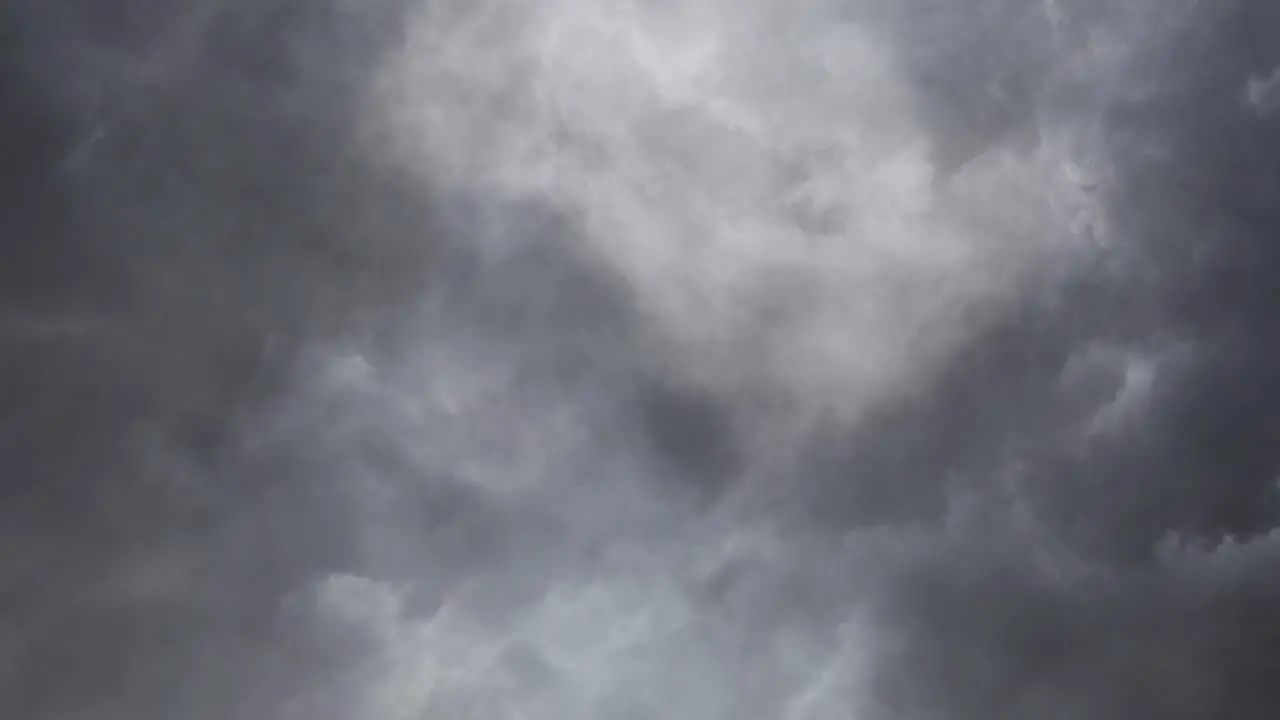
[(755, 172)]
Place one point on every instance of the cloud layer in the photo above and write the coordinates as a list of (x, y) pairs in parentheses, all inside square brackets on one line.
[(570, 359)]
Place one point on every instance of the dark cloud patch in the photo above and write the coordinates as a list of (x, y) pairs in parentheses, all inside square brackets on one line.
[(1154, 634), (692, 432), (171, 232)]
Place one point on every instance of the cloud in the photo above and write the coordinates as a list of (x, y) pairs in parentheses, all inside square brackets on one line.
[(766, 196), (643, 360)]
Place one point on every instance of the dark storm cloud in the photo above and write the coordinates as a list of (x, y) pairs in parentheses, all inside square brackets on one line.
[(165, 241), (288, 434), (1153, 631)]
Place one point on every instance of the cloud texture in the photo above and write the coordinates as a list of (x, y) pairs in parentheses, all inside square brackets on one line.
[(572, 359)]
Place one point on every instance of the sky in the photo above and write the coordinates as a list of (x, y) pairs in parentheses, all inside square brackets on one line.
[(639, 359)]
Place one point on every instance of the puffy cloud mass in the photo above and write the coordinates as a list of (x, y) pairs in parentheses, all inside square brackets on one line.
[(572, 359)]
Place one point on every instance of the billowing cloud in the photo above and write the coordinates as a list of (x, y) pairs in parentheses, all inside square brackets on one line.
[(589, 360)]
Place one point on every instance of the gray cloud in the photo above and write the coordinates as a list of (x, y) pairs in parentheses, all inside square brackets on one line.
[(638, 360)]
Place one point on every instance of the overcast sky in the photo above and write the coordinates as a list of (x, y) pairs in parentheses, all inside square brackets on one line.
[(639, 360)]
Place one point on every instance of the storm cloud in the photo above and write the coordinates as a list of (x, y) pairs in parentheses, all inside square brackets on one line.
[(570, 359)]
